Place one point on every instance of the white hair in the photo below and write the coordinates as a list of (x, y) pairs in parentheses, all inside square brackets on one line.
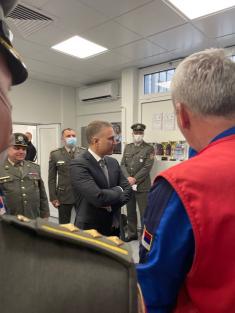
[(205, 82)]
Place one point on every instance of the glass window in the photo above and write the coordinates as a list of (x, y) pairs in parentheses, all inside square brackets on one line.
[(158, 82), (155, 78), (169, 75), (147, 84), (162, 82)]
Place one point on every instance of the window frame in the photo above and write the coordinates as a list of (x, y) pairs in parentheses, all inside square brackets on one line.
[(151, 70)]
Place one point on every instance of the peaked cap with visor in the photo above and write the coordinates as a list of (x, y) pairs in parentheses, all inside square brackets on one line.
[(14, 62)]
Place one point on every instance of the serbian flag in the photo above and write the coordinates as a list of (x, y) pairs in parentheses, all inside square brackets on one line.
[(147, 239), (2, 206)]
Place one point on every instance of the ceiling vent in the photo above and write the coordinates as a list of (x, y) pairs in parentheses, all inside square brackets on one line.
[(99, 92), (28, 20)]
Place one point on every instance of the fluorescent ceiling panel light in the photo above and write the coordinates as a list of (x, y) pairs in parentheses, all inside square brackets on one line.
[(79, 47), (197, 8)]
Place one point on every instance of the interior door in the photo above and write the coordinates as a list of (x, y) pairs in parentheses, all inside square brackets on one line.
[(48, 138)]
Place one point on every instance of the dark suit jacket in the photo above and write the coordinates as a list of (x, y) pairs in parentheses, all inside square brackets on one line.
[(93, 194), (31, 152)]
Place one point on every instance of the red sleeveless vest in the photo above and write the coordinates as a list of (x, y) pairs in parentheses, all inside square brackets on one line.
[(206, 186)]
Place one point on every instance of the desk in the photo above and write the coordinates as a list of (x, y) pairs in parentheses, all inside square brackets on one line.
[(159, 166)]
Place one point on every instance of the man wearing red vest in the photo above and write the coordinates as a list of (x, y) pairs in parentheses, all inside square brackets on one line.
[(187, 254)]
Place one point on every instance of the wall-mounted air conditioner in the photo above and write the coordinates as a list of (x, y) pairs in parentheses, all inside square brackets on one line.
[(99, 92)]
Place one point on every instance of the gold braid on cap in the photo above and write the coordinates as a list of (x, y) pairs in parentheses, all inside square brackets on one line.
[(10, 48)]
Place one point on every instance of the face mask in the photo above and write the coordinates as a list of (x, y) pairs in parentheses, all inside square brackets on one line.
[(71, 141), (138, 138)]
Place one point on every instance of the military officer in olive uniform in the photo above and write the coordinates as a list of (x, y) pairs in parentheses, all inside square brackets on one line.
[(60, 188), (137, 161), (21, 183)]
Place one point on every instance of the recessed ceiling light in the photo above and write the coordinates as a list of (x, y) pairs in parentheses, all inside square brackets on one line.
[(79, 47), (197, 8)]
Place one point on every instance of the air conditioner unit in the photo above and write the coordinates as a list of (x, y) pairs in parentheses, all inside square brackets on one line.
[(99, 92)]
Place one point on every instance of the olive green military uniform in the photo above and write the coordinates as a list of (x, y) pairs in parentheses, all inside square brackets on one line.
[(62, 268), (59, 183), (137, 162), (23, 190)]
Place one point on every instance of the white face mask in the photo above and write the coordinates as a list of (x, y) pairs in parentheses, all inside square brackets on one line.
[(138, 138), (71, 142)]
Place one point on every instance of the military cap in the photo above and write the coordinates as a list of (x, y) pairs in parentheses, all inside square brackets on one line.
[(138, 127), (14, 62), (20, 139)]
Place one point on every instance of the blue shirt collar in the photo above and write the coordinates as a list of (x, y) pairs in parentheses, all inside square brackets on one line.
[(225, 133)]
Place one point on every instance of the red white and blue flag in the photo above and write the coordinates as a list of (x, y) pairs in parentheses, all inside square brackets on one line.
[(2, 206), (147, 239)]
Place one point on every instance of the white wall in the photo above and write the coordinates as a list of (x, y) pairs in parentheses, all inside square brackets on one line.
[(37, 102), (129, 102), (152, 104), (102, 110), (154, 133)]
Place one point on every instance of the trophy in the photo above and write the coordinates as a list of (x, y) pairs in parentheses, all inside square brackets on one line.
[(180, 150), (164, 146), (173, 145), (158, 150)]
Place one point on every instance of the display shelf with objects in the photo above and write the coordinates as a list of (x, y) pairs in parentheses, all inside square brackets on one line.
[(167, 154)]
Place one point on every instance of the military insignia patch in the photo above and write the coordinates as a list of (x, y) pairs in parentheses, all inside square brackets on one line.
[(70, 227), (20, 138), (23, 218), (60, 162), (147, 239)]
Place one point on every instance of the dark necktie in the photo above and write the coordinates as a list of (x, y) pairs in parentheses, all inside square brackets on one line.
[(104, 169), (71, 153)]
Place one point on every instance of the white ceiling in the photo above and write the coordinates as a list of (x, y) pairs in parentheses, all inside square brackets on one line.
[(137, 33)]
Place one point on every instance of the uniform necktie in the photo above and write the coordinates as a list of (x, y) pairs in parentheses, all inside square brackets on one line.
[(19, 167), (104, 169), (71, 153)]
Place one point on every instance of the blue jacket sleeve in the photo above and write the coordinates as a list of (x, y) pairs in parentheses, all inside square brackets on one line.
[(167, 260)]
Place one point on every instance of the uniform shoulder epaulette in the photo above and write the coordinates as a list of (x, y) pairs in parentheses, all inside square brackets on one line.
[(33, 163), (148, 144), (89, 262), (68, 232), (55, 150)]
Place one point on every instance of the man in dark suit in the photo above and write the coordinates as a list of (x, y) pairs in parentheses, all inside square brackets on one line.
[(100, 187), (31, 154)]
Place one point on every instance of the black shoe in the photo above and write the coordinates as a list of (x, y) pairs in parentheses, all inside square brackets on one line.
[(131, 238)]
